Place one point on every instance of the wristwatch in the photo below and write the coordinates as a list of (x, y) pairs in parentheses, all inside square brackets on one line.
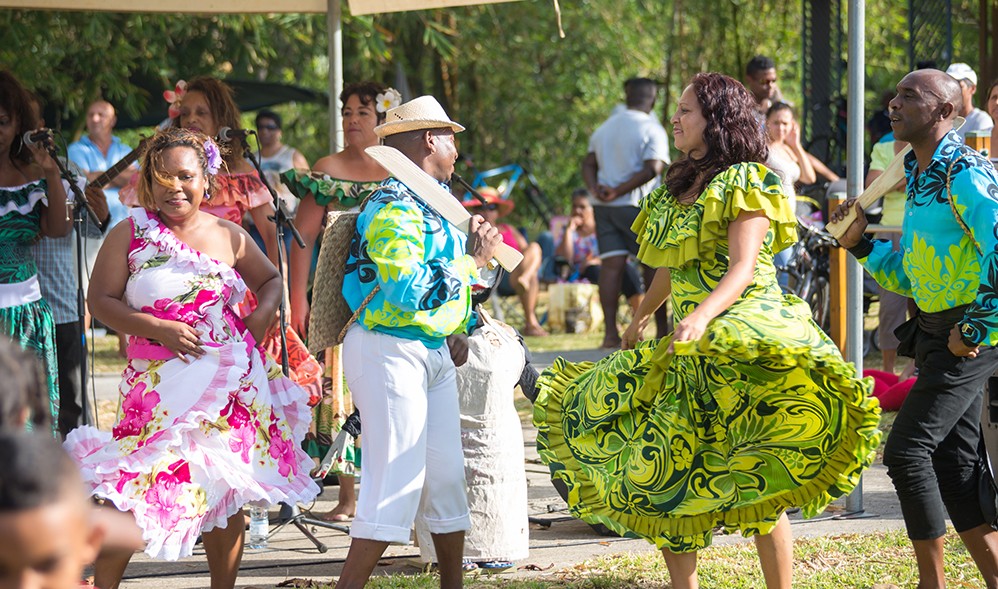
[(967, 330)]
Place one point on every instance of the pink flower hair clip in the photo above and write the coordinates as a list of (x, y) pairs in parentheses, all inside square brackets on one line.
[(175, 97)]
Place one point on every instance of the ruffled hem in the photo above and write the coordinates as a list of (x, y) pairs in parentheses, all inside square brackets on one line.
[(344, 194), (672, 235), (153, 230), (839, 475), (193, 438), (23, 199), (244, 191)]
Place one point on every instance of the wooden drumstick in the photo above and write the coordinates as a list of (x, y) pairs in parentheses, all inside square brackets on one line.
[(436, 196), (893, 174)]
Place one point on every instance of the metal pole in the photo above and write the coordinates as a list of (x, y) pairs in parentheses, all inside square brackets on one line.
[(334, 25), (854, 186)]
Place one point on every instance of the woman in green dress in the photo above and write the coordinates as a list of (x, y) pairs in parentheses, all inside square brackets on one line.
[(748, 409), (32, 203), (338, 181)]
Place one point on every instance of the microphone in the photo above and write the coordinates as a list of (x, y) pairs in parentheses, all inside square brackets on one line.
[(36, 136), (227, 134)]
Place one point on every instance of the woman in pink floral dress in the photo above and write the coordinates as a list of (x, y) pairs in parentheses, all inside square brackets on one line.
[(206, 423)]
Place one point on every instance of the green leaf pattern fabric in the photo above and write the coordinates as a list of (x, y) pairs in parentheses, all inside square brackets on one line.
[(760, 415), (29, 325)]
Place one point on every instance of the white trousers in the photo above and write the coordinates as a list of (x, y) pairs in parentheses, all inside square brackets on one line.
[(412, 462)]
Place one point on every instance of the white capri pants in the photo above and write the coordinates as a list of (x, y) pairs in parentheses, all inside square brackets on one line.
[(412, 464)]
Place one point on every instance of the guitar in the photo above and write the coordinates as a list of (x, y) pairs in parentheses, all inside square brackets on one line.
[(110, 174), (118, 167)]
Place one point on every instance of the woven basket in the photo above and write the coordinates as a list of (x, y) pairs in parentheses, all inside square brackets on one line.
[(330, 311)]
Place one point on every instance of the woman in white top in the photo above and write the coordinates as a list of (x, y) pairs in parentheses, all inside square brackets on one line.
[(786, 154)]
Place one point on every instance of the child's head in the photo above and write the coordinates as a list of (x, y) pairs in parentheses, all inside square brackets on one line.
[(46, 533), (25, 395)]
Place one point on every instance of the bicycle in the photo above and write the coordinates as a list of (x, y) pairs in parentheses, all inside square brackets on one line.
[(510, 176), (808, 273)]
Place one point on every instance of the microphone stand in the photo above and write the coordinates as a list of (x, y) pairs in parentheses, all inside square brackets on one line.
[(290, 513), (80, 205), (281, 220)]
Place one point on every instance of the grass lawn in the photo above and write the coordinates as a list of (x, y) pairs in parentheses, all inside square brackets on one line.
[(854, 561)]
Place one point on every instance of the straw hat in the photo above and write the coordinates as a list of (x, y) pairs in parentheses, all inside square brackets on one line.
[(491, 196), (419, 113)]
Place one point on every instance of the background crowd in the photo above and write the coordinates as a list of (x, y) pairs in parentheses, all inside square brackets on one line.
[(185, 263)]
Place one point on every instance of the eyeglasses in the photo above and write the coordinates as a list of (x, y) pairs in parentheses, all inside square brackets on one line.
[(267, 127)]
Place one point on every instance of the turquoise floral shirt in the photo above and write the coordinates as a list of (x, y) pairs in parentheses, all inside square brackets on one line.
[(419, 260), (939, 265)]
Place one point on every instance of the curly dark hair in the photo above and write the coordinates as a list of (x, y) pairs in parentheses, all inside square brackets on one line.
[(14, 99), (733, 133), (222, 103), (367, 93), (152, 160)]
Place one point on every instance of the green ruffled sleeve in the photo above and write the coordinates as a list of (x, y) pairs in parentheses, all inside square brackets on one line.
[(322, 187), (671, 234)]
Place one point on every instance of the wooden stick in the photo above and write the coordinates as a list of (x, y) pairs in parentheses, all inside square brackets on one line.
[(436, 196), (893, 174)]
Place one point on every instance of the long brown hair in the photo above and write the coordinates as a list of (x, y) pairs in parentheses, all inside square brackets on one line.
[(733, 133)]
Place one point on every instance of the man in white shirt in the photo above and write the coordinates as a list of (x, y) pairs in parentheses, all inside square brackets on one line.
[(627, 155), (977, 119)]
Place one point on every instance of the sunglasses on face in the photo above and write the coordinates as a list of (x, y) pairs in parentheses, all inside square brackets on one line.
[(267, 127), (488, 207)]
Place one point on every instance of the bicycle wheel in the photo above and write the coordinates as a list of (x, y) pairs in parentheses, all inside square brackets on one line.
[(819, 298)]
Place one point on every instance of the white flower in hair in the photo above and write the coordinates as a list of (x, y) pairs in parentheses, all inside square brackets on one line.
[(388, 99)]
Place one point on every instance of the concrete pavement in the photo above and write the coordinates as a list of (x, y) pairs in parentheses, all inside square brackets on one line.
[(562, 544)]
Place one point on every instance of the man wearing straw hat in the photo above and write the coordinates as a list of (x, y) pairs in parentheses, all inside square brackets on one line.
[(410, 272)]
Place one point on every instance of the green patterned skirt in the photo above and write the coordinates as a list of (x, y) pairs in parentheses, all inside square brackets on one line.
[(759, 416), (31, 326)]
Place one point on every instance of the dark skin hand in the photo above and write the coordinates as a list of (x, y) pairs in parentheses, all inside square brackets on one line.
[(483, 239), (852, 237), (97, 201), (458, 344), (854, 234)]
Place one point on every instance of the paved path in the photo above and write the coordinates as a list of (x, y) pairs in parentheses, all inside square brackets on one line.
[(563, 544)]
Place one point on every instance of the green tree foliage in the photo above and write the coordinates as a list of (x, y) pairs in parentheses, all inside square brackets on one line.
[(500, 69)]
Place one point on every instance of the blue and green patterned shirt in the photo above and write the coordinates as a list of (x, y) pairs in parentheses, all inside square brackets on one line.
[(939, 265), (419, 260)]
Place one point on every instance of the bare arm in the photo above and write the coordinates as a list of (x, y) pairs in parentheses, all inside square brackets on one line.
[(651, 169), (261, 277), (745, 237), (521, 241), (821, 169), (53, 222), (266, 228), (807, 175), (309, 223), (566, 248), (589, 169), (298, 161), (106, 295), (658, 291)]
